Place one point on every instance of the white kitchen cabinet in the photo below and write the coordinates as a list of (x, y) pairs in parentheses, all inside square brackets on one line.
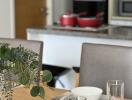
[(64, 50), (7, 18)]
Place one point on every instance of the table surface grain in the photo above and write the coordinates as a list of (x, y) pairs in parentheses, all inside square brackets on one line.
[(22, 93)]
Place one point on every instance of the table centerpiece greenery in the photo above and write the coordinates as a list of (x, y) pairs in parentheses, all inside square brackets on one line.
[(19, 65)]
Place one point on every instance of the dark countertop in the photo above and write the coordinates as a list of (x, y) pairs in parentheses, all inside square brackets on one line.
[(121, 33)]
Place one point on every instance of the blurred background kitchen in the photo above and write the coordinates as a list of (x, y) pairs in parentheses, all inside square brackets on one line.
[(63, 25)]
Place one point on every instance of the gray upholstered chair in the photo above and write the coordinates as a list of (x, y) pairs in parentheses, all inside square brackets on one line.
[(36, 46), (100, 63)]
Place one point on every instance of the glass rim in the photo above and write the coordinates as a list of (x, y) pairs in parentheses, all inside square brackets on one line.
[(115, 82)]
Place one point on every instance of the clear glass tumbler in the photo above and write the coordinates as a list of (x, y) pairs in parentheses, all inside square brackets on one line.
[(115, 90)]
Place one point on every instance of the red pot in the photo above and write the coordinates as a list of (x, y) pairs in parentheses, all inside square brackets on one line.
[(68, 20), (89, 22)]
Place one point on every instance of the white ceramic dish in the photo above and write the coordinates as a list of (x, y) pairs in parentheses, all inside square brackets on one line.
[(91, 93)]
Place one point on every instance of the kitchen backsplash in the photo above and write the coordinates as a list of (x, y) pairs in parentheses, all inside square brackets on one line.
[(60, 7)]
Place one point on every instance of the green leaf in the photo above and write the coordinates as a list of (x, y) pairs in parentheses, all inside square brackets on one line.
[(47, 76), (41, 92), (35, 91), (24, 78)]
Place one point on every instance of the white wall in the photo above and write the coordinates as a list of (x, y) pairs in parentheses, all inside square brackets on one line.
[(60, 7), (7, 18), (56, 8)]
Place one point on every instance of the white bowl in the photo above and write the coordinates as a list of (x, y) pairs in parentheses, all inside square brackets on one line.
[(91, 93)]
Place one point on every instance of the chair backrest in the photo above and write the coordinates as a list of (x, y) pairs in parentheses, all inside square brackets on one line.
[(100, 63), (36, 46)]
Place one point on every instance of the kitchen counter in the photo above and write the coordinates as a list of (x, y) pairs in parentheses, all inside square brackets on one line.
[(62, 46), (111, 32)]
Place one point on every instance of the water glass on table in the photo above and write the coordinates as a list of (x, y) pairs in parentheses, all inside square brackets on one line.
[(115, 90)]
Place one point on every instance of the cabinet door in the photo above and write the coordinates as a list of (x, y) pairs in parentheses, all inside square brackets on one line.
[(29, 13)]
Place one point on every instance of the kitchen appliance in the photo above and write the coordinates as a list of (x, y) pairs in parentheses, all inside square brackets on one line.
[(125, 8), (120, 12), (91, 7)]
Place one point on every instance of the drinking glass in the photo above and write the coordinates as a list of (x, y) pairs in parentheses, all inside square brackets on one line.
[(115, 90)]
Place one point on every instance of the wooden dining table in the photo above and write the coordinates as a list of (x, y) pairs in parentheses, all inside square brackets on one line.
[(22, 93)]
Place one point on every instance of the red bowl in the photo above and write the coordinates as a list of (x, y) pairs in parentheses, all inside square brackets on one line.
[(89, 22)]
